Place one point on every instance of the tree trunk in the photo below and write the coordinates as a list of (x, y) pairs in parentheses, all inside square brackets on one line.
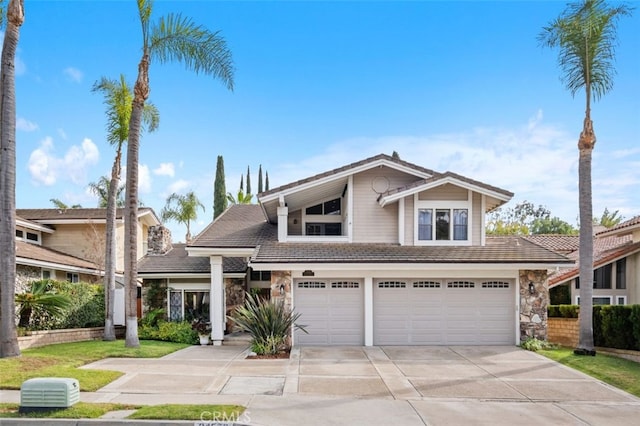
[(110, 251), (8, 335), (141, 93), (585, 146)]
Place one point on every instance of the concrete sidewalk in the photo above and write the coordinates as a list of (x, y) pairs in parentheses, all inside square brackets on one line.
[(370, 385)]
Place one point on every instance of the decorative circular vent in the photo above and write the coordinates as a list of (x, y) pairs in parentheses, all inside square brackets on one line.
[(380, 184)]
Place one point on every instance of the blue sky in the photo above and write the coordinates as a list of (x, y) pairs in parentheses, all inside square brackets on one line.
[(458, 86)]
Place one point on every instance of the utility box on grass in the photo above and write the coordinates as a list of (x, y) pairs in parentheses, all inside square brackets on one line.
[(48, 393)]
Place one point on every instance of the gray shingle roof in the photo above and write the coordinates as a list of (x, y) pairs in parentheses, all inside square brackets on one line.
[(35, 252), (241, 226), (348, 167), (178, 261), (559, 243), (71, 214), (497, 250)]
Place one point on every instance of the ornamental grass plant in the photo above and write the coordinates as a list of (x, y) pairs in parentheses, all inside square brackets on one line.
[(269, 323)]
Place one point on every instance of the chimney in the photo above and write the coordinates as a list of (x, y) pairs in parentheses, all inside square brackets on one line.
[(158, 240)]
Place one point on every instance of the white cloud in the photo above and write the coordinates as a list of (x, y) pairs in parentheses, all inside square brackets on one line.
[(25, 125), (144, 179), (165, 169), (46, 168), (178, 186), (74, 74)]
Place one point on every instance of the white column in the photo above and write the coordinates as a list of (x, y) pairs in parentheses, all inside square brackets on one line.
[(216, 297), (401, 221), (283, 213), (368, 311)]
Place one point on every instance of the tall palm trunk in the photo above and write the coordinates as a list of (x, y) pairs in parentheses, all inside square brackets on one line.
[(8, 336), (140, 95), (110, 250)]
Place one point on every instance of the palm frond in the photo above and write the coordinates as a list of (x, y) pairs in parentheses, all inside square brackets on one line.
[(178, 38)]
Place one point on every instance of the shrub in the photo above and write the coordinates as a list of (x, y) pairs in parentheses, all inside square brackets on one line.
[(563, 311), (268, 321), (40, 297), (169, 331), (85, 310), (152, 317), (534, 345), (560, 295), (635, 321), (598, 337), (617, 328)]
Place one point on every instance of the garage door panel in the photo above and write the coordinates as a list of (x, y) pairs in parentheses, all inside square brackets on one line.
[(332, 310), (438, 312)]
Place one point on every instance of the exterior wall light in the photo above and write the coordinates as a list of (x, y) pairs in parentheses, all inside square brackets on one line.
[(532, 288)]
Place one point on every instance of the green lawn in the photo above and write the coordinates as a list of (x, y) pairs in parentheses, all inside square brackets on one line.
[(618, 372), (81, 410), (64, 359)]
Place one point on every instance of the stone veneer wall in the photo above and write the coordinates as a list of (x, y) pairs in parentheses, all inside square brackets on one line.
[(235, 290), (281, 287), (533, 307), (564, 331), (158, 240), (24, 275)]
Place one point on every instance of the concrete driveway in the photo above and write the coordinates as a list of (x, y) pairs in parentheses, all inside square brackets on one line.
[(433, 385)]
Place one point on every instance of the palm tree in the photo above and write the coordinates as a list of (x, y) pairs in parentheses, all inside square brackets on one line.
[(118, 99), (183, 209), (170, 38), (40, 297), (241, 198), (8, 335), (585, 34), (101, 190), (59, 204)]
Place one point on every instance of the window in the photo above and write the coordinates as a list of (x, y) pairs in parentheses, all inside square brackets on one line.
[(426, 284), (495, 284), (621, 300), (602, 277), (621, 274), (461, 284), (449, 224), (331, 207), (345, 284), (32, 236), (424, 224), (19, 233), (324, 229), (392, 284), (46, 274), (72, 277), (187, 305), (598, 300), (311, 284), (260, 275)]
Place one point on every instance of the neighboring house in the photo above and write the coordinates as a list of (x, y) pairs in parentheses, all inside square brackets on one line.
[(616, 266), (35, 262), (69, 244), (378, 252)]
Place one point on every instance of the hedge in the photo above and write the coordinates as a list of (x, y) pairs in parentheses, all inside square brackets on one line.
[(86, 310), (614, 326)]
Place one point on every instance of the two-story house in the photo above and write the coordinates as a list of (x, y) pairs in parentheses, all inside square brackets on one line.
[(69, 244), (378, 252)]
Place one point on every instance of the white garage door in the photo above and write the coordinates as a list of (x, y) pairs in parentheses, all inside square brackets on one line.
[(331, 310), (444, 312)]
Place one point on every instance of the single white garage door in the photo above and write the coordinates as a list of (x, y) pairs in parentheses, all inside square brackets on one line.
[(331, 310), (444, 312)]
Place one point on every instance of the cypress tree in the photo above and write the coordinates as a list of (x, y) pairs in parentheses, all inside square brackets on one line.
[(260, 179), (219, 189), (266, 181), (248, 181), (242, 183)]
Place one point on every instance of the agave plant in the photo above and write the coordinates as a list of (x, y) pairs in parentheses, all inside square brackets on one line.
[(268, 322), (40, 297)]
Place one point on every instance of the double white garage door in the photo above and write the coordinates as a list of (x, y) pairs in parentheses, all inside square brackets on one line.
[(407, 312)]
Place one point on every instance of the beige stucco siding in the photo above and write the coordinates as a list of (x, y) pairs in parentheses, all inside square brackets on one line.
[(446, 192), (476, 220), (372, 223), (84, 241), (409, 219)]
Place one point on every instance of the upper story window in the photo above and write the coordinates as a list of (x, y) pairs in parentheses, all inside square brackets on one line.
[(260, 275), (324, 229), (331, 207), (443, 224), (27, 236)]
